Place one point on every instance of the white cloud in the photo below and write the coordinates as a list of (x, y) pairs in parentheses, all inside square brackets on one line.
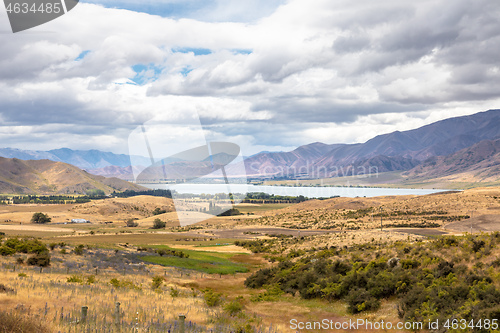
[(276, 74)]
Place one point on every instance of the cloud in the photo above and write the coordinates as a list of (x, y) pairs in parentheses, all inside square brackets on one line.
[(263, 73)]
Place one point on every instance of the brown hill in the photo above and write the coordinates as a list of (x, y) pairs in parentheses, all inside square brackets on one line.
[(392, 211), (480, 161), (48, 177), (121, 209)]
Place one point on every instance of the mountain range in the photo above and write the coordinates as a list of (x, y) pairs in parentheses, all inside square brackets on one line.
[(450, 146), (388, 152), (84, 159)]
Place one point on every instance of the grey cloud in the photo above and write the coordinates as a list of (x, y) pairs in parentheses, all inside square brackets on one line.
[(351, 44)]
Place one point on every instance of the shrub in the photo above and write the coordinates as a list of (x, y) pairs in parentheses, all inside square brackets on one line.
[(477, 245), (409, 263), (360, 300), (90, 279), (39, 259), (157, 282), (271, 294), (40, 218), (74, 279), (211, 298), (233, 308), (175, 253), (6, 251), (123, 284), (259, 278), (115, 282), (443, 269), (159, 211), (131, 223), (78, 249), (174, 292), (158, 224)]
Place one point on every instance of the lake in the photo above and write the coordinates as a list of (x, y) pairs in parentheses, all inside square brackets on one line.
[(310, 192)]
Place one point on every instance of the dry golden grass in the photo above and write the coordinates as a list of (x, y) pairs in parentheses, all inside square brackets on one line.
[(121, 209), (36, 289)]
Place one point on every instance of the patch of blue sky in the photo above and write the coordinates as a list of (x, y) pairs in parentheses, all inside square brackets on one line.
[(196, 51), (82, 55), (145, 73), (242, 51), (186, 70), (202, 10), (169, 8)]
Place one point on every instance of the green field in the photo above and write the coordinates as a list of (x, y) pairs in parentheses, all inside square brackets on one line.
[(202, 261)]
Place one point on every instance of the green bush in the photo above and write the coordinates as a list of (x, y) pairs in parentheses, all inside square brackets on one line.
[(115, 282), (233, 308), (212, 298), (158, 211), (174, 292), (158, 224), (6, 251), (271, 294), (39, 259), (359, 300), (78, 250), (131, 223), (123, 284), (74, 279), (409, 263), (157, 282)]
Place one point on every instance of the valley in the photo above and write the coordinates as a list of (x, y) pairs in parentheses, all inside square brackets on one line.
[(205, 271)]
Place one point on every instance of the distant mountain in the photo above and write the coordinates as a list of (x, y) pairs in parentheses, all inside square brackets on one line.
[(84, 159), (387, 152), (48, 177), (481, 161), (291, 163), (396, 151)]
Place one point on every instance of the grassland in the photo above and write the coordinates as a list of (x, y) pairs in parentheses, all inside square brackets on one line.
[(217, 269), (207, 262)]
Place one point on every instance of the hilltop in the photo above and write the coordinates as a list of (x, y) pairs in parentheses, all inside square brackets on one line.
[(48, 177)]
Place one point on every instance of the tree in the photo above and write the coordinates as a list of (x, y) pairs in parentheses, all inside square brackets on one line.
[(159, 211), (95, 193), (158, 224), (40, 218), (131, 223)]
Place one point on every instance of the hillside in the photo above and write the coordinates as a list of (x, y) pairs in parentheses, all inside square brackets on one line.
[(48, 177), (482, 161), (421, 211)]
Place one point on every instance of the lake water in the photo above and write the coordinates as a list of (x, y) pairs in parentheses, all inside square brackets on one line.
[(310, 192)]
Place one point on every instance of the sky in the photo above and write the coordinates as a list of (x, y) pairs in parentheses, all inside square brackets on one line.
[(267, 75)]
